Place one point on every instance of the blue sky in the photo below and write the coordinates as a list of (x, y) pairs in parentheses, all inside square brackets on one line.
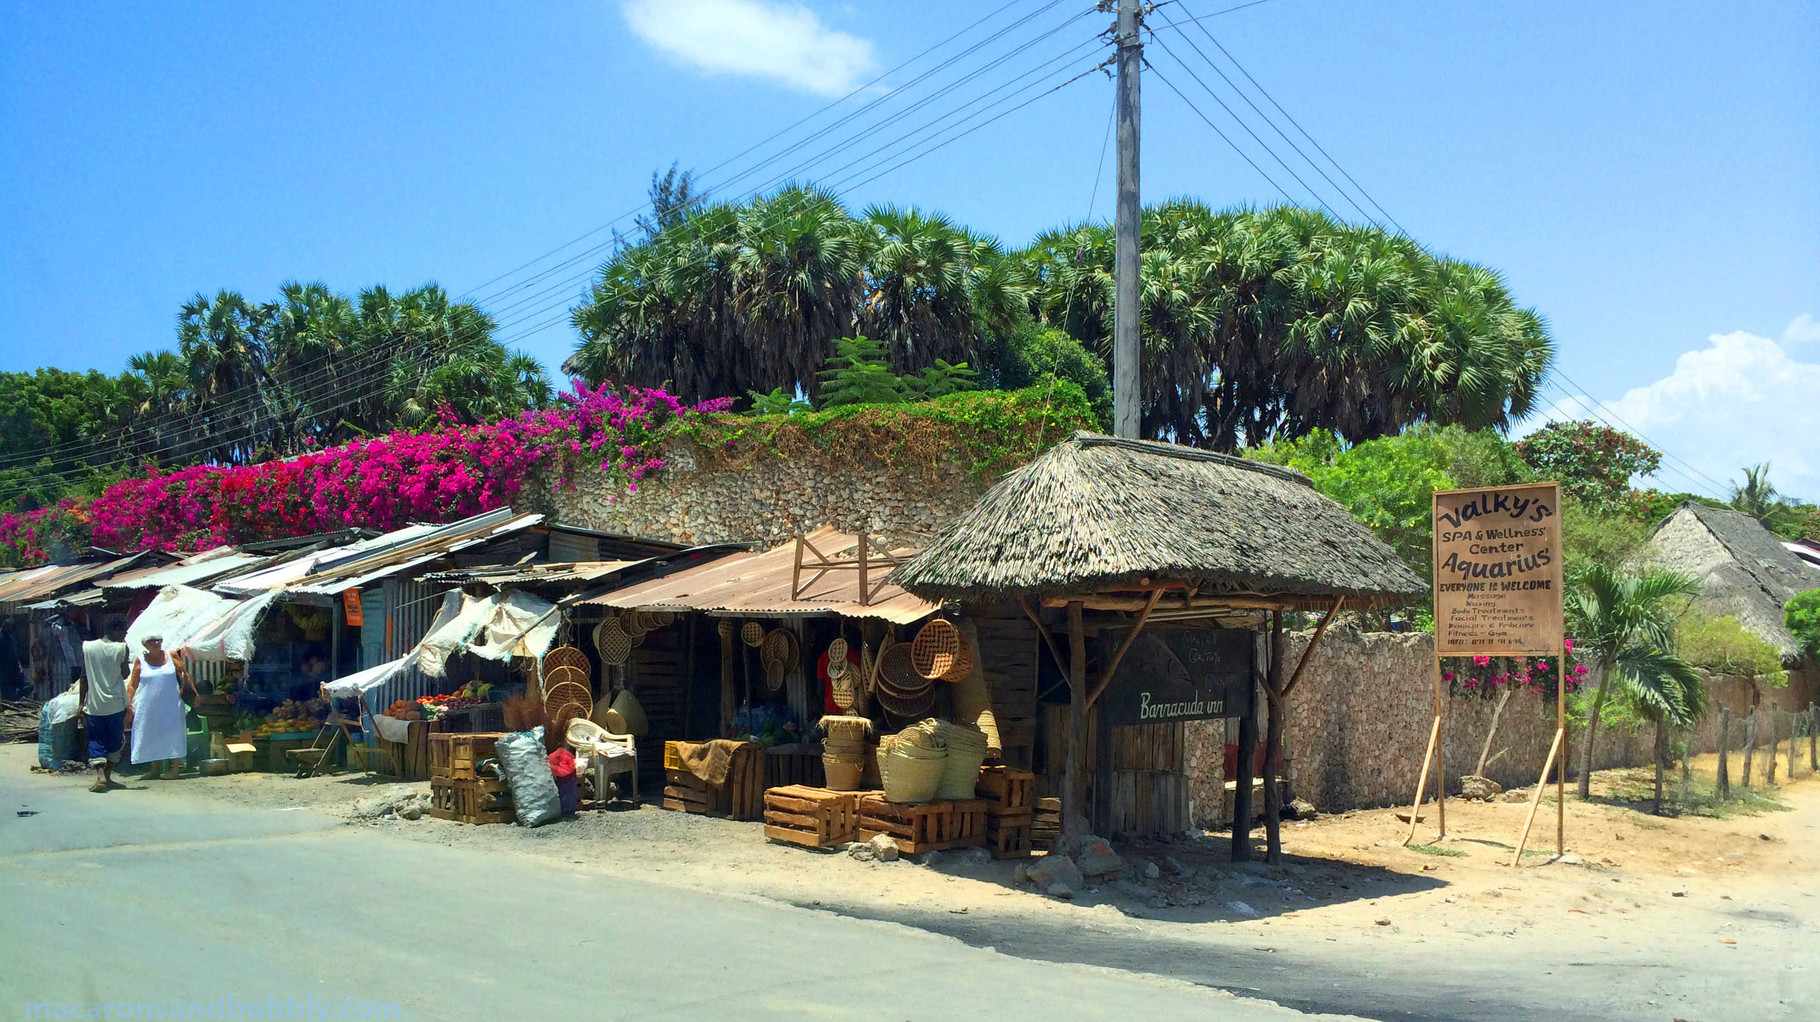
[(1645, 175)]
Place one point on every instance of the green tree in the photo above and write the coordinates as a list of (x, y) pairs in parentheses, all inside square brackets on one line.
[(1625, 620), (1594, 463), (859, 374), (1721, 645), (1801, 616)]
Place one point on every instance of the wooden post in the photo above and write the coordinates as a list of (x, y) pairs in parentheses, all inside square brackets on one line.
[(1241, 790), (1813, 739), (689, 679), (1769, 761), (1561, 766), (1535, 798), (1722, 781), (1440, 753), (727, 706), (1792, 719), (1273, 745), (1074, 773), (1750, 746), (1415, 812), (864, 590)]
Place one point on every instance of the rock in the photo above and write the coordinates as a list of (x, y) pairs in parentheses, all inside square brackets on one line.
[(1175, 866), (1152, 871), (1054, 869), (1020, 874), (883, 848), (1382, 922), (390, 801), (962, 857), (1301, 809), (1483, 789), (862, 851), (1514, 795), (1242, 909), (1097, 857), (1060, 891), (412, 812), (1133, 889)]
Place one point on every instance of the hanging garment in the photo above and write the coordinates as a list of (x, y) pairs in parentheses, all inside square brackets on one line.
[(158, 728)]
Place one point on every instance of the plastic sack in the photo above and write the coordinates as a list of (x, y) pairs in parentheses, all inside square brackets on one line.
[(562, 764), (521, 759), (63, 707), (56, 739)]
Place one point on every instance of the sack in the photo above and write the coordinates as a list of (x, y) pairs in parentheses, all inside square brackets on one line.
[(63, 707), (521, 759)]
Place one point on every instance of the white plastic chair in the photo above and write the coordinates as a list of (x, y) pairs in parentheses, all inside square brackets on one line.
[(608, 754)]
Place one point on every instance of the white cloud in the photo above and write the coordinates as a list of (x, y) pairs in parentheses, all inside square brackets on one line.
[(1740, 400), (781, 41)]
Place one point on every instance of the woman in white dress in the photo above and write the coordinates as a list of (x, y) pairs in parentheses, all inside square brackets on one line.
[(155, 690)]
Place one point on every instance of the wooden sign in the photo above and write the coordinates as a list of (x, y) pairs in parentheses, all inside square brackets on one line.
[(1183, 674), (1497, 572), (350, 602)]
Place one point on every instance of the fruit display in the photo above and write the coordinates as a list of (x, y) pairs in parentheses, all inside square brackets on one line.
[(281, 726), (404, 709), (474, 693)]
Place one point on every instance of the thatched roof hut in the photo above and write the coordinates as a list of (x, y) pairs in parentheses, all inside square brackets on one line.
[(1097, 513), (1744, 569)]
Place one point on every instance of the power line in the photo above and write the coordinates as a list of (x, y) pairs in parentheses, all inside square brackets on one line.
[(1721, 487), (1216, 130)]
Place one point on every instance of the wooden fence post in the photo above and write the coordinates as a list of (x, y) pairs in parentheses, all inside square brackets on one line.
[(1769, 762), (1750, 746), (1794, 721), (1813, 739), (1722, 781)]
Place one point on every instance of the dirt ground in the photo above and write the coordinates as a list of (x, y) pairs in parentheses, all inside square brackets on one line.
[(1632, 884)]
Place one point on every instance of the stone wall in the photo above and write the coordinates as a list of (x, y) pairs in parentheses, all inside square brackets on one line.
[(702, 497), (1359, 721)]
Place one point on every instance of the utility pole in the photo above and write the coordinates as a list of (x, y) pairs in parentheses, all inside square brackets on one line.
[(1125, 340)]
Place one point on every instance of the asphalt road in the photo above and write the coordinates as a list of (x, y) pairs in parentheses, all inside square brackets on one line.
[(134, 903)]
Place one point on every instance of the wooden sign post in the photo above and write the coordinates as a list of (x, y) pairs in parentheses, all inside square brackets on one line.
[(1497, 592)]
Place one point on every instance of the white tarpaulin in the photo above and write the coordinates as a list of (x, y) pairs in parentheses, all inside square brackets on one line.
[(497, 627), (199, 623), (365, 681)]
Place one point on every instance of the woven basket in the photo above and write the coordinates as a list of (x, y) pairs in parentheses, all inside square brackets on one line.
[(752, 633), (909, 773), (777, 646), (846, 728), (632, 623), (962, 665), (843, 691), (612, 642), (726, 628), (663, 618), (966, 753), (842, 775), (898, 676), (562, 691), (565, 656), (935, 647)]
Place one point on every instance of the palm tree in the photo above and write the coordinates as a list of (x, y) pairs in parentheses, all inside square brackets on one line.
[(1670, 692), (1625, 621), (1758, 497)]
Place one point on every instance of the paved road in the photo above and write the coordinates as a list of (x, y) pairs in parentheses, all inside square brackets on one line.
[(117, 898)]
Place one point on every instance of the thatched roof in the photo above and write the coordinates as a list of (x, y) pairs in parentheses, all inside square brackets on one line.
[(1745, 571), (1097, 513)]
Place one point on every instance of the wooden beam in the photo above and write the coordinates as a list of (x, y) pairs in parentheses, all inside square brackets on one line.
[(1313, 641), (1113, 664), (1074, 771), (1055, 650), (1137, 603)]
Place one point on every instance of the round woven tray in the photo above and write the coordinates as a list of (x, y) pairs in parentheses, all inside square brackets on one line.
[(632, 623), (752, 633), (726, 628), (561, 675), (565, 656), (612, 642), (843, 691), (897, 675), (777, 647), (565, 692), (663, 618), (934, 648), (963, 663)]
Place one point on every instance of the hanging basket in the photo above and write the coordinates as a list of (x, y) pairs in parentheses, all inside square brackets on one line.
[(565, 692), (663, 618), (778, 647), (726, 628), (935, 647), (897, 674), (565, 656), (630, 623), (752, 633), (612, 642)]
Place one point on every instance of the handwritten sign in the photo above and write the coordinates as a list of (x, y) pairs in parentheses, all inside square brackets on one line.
[(1182, 674), (350, 604), (1498, 571)]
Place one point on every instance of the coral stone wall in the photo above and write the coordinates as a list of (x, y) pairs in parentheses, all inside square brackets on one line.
[(771, 498)]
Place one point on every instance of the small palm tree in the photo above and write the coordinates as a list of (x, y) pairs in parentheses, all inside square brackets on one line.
[(1626, 621), (1668, 691), (1758, 497)]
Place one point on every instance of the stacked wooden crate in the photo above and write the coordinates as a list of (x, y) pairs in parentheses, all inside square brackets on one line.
[(457, 791), (741, 796), (813, 817), (1046, 824), (1009, 797), (916, 829)]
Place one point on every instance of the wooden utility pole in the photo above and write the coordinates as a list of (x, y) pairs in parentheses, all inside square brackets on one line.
[(1125, 344)]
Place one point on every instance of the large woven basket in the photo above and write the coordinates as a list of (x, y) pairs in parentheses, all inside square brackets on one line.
[(966, 753), (935, 648), (565, 656), (910, 773)]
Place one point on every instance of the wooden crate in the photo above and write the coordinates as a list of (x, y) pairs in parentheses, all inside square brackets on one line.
[(1045, 823), (470, 800), (1006, 791), (685, 792), (813, 817), (926, 828), (745, 787), (455, 754), (1007, 841), (799, 764), (412, 757)]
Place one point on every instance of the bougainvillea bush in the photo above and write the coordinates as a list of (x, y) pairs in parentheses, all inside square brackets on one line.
[(1488, 676), (440, 474)]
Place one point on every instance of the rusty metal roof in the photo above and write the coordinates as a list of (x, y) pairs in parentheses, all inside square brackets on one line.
[(532, 574), (54, 579), (759, 585)]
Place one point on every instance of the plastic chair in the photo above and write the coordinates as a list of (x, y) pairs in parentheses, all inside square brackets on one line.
[(608, 754)]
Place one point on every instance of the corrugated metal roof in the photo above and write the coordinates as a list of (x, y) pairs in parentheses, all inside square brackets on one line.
[(285, 570), (397, 552), (758, 584), (56, 578), (190, 571), (532, 574)]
